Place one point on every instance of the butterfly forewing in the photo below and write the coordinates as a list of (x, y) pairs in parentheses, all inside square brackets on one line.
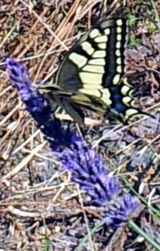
[(97, 59), (93, 73)]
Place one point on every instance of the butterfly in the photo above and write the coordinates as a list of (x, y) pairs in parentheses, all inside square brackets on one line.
[(91, 76)]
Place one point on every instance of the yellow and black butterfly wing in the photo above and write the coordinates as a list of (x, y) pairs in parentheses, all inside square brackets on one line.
[(97, 59), (91, 75), (95, 67)]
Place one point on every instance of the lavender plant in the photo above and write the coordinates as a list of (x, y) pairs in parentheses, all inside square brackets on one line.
[(86, 166)]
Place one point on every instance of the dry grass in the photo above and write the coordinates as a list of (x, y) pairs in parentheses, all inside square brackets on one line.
[(38, 202)]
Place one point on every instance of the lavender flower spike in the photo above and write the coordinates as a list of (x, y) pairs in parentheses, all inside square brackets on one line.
[(36, 104), (89, 172), (86, 166), (121, 210)]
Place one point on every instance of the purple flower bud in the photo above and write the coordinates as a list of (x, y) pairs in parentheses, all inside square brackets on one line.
[(121, 210)]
